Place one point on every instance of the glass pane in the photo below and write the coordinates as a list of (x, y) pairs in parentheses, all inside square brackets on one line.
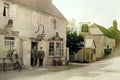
[(51, 51), (58, 51), (62, 52), (58, 45), (51, 48), (51, 45), (12, 43)]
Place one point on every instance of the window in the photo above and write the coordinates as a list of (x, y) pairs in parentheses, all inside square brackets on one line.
[(94, 50), (51, 48), (53, 23), (6, 9), (9, 45), (9, 42), (56, 48)]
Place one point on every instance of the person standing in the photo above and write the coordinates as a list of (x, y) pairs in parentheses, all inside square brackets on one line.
[(40, 56), (34, 56)]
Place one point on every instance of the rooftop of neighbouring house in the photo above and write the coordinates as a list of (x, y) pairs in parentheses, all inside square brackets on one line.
[(94, 29)]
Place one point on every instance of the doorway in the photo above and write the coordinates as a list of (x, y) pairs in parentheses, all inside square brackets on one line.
[(34, 45)]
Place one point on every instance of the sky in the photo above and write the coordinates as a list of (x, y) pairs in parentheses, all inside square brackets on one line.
[(102, 12)]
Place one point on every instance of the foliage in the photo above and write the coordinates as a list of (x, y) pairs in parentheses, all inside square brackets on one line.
[(112, 32), (115, 33), (85, 28), (74, 41), (114, 24), (106, 32)]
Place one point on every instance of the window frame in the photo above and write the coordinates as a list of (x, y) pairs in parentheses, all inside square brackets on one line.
[(58, 49), (9, 43), (51, 49)]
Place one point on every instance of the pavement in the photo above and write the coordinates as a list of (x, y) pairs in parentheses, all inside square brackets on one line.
[(101, 70), (34, 71)]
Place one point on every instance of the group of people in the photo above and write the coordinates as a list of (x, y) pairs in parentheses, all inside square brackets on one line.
[(37, 57)]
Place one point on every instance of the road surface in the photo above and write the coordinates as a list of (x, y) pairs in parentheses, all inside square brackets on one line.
[(101, 70)]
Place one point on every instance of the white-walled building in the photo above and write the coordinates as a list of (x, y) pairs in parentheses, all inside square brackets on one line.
[(100, 39), (28, 23)]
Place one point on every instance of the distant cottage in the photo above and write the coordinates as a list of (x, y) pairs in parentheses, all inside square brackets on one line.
[(101, 42), (100, 39)]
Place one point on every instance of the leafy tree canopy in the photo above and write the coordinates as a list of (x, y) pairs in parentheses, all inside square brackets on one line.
[(74, 41)]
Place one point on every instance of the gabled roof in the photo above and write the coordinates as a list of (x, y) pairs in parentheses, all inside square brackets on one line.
[(94, 29), (89, 43), (41, 5)]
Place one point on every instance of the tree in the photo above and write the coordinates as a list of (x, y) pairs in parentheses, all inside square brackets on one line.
[(74, 41)]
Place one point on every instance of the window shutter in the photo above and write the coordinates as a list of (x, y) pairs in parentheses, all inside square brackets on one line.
[(13, 10), (1, 7)]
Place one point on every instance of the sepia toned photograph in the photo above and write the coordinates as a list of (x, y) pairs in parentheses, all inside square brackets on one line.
[(59, 40)]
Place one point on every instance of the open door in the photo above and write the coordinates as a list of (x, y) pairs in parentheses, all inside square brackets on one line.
[(33, 58)]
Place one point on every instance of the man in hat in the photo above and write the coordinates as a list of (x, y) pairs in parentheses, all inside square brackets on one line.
[(40, 56)]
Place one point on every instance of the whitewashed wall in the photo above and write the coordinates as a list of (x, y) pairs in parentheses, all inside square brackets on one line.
[(26, 21)]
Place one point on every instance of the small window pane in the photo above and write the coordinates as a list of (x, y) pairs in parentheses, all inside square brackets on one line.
[(51, 48)]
